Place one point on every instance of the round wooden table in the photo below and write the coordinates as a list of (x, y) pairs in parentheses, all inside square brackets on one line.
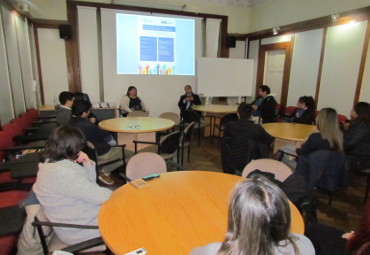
[(215, 108), (288, 133), (136, 124), (177, 212), (215, 112)]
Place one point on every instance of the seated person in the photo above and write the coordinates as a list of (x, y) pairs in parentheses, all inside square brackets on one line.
[(241, 130), (131, 102), (244, 127), (329, 240), (63, 111), (259, 223), (66, 185), (357, 137), (188, 99), (100, 138), (305, 111), (267, 108), (82, 96)]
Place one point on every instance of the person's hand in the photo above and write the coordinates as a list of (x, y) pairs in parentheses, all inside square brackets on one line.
[(83, 158), (345, 125), (348, 235), (254, 107), (189, 98)]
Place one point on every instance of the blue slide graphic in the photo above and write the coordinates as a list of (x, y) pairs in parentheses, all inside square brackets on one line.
[(166, 49), (148, 48)]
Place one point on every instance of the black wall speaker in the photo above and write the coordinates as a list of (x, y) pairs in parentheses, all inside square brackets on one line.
[(65, 31), (231, 41)]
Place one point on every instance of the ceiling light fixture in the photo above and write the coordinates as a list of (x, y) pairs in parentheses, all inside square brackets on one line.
[(334, 17), (275, 30)]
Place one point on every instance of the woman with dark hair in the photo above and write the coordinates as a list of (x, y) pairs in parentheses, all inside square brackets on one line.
[(258, 223), (357, 137), (67, 191), (131, 102), (305, 111), (328, 240)]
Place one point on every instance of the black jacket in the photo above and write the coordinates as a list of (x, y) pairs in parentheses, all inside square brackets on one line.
[(93, 133), (307, 117), (182, 105), (357, 146), (243, 141), (268, 109), (313, 143)]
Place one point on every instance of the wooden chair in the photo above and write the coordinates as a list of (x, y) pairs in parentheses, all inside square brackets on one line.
[(278, 168), (145, 163)]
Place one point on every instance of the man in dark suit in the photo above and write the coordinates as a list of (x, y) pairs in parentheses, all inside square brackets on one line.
[(267, 108), (188, 99)]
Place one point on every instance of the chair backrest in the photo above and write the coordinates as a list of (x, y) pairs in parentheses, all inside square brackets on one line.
[(170, 143), (6, 140), (189, 116), (14, 129), (236, 152), (324, 169), (187, 133), (145, 163), (170, 116), (289, 110), (228, 117), (278, 168), (138, 114)]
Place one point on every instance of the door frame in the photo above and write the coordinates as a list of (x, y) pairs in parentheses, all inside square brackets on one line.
[(288, 47)]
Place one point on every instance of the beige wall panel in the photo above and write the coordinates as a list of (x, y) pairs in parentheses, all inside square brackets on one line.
[(340, 70), (53, 64), (305, 65), (283, 12), (365, 87), (6, 111), (14, 66), (89, 52)]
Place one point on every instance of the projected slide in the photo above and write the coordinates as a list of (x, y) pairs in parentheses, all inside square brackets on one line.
[(155, 45)]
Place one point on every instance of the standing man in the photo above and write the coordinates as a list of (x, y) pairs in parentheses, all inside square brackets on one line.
[(267, 108), (188, 99), (63, 111)]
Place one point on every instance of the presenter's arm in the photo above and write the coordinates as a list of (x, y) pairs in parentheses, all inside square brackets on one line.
[(196, 100), (181, 102), (125, 102)]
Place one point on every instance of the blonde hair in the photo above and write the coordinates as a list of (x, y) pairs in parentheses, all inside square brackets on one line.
[(258, 219), (327, 124)]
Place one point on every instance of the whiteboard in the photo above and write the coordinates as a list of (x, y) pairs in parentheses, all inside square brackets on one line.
[(225, 77)]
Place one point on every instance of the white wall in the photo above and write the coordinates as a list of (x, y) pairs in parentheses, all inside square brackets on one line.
[(238, 51), (305, 65), (239, 17), (365, 89), (283, 12), (53, 64), (6, 109), (340, 70), (13, 63), (89, 52)]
